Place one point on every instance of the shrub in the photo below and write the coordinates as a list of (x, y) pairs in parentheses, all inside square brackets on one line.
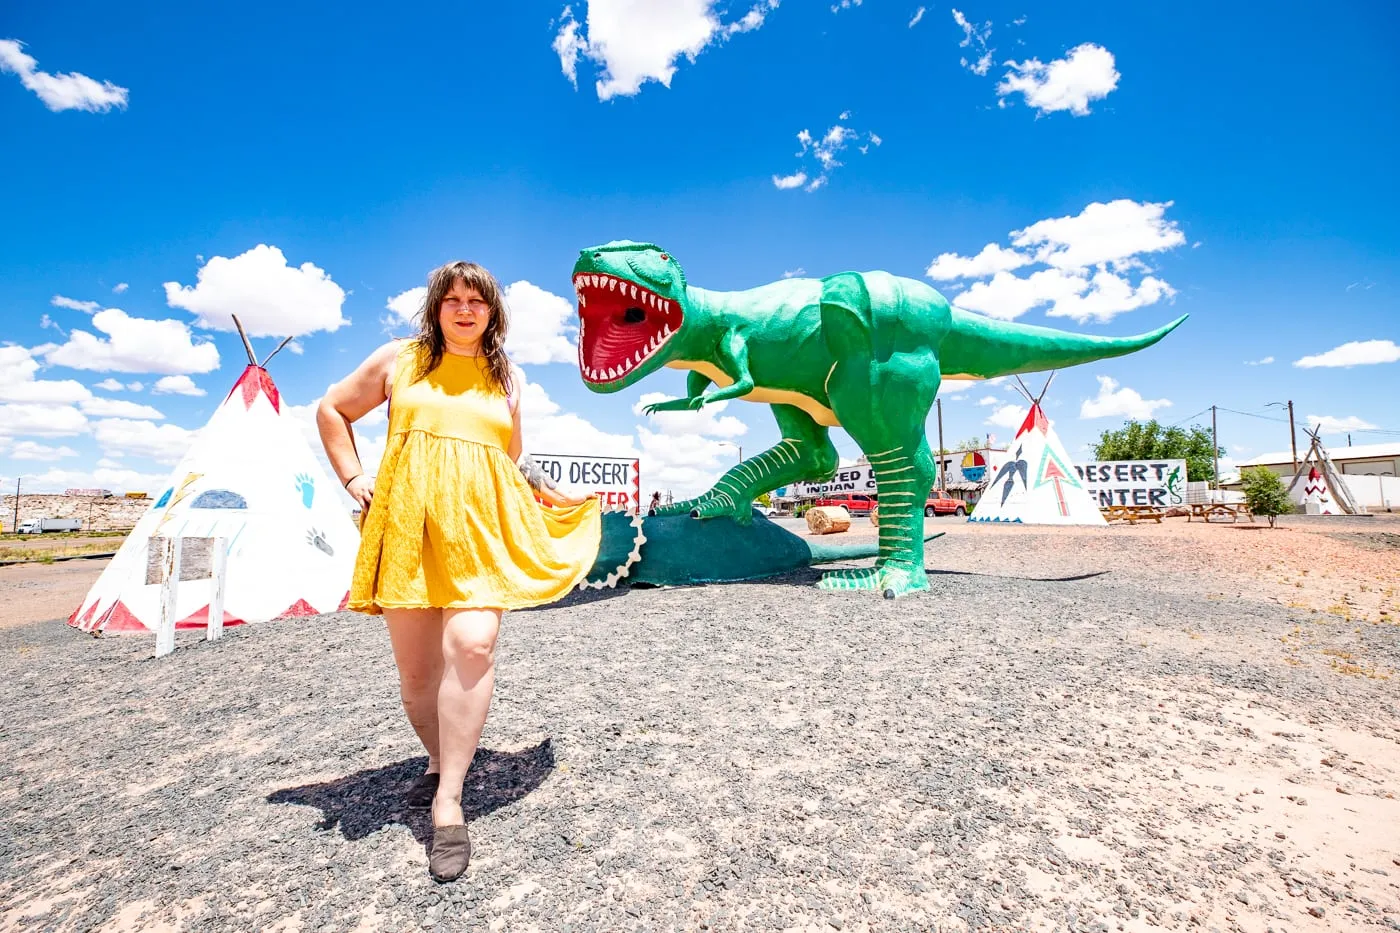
[(1265, 493)]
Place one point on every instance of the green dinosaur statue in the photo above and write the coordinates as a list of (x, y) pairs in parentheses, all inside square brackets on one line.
[(865, 351), (672, 550)]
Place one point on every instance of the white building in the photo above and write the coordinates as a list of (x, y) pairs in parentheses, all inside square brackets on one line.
[(1363, 460), (1371, 471)]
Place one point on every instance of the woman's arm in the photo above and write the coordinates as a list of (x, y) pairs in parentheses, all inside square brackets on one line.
[(537, 480), (346, 402)]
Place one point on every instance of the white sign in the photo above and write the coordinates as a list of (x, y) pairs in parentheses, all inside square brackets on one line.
[(616, 481), (1160, 483), (859, 478)]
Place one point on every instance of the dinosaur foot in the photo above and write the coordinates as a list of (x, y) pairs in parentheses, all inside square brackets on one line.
[(710, 507), (893, 580)]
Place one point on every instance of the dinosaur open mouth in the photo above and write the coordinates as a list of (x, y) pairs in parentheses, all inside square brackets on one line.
[(621, 325)]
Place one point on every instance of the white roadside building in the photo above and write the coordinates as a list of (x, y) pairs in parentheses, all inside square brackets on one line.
[(1371, 471)]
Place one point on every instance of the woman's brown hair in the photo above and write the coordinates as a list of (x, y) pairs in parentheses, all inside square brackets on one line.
[(430, 342)]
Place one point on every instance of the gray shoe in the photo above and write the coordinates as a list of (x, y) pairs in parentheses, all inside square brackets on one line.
[(451, 852), (420, 795)]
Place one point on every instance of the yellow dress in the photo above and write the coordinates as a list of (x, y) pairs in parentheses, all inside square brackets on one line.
[(453, 523)]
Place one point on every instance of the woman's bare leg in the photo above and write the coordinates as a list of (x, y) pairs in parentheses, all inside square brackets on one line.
[(416, 636), (469, 674)]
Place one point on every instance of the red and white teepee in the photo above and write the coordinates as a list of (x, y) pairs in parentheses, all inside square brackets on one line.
[(1038, 484), (1324, 491), (250, 480)]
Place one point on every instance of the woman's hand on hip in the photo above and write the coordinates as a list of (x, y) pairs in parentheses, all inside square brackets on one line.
[(361, 489)]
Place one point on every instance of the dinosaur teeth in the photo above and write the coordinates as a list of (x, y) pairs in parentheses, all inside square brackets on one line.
[(634, 292), (612, 285)]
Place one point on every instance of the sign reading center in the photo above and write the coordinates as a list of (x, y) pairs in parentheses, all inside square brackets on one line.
[(615, 481), (1161, 483)]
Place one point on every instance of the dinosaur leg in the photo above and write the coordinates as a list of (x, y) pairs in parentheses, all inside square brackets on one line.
[(881, 389), (804, 454), (902, 480)]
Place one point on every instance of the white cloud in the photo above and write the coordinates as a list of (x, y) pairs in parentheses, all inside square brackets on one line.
[(1110, 295), (407, 304), (72, 304), (101, 407), (1264, 362), (72, 91), (636, 41), (47, 322), (1007, 416), (541, 325), (1114, 232), (988, 400), (1331, 425), (1007, 297), (1123, 402), (794, 273), (136, 345), (686, 465), (31, 450), (918, 15), (978, 36), (271, 298), (119, 288), (17, 382), (33, 420), (163, 443), (109, 385), (116, 478), (1090, 256), (176, 385), (1069, 83), (844, 5), (824, 151), (1355, 353), (795, 180), (706, 421), (994, 258), (135, 386)]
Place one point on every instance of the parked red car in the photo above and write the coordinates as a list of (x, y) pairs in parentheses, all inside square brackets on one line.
[(853, 502), (940, 503)]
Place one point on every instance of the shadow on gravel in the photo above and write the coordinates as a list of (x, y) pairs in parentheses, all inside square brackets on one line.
[(578, 598), (367, 801), (811, 577)]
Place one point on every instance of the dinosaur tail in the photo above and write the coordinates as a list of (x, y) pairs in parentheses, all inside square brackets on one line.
[(981, 347), (827, 552)]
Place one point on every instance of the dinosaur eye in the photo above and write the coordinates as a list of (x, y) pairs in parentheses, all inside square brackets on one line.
[(665, 258)]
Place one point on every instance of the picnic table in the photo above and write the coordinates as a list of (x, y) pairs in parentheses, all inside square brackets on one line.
[(1206, 509), (1132, 514)]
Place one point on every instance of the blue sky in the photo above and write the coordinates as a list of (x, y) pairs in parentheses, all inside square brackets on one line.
[(309, 167)]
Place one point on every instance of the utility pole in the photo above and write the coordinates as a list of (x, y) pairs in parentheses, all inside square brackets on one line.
[(16, 526), (1215, 446), (1293, 435), (942, 483)]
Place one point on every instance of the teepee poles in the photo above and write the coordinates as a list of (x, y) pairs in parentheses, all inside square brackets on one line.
[(247, 344), (275, 352)]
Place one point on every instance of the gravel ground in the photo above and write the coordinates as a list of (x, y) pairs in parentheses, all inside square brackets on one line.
[(1065, 734)]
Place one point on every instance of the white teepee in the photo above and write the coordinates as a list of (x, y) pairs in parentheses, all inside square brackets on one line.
[(1324, 491), (1037, 485), (251, 479)]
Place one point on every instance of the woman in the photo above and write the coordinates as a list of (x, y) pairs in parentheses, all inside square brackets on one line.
[(451, 534)]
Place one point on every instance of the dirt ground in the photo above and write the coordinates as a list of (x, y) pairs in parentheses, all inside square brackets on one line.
[(1180, 726)]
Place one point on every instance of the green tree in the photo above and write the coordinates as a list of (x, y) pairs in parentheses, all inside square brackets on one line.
[(1148, 440), (1265, 493), (765, 500), (972, 443)]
